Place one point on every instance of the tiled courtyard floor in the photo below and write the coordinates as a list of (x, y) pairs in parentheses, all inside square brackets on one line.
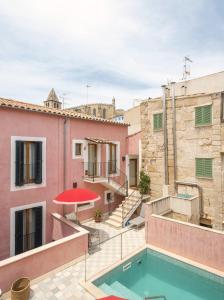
[(65, 284)]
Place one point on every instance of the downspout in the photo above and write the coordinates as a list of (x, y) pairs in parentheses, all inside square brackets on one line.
[(165, 136), (200, 193), (64, 151), (174, 137), (64, 157)]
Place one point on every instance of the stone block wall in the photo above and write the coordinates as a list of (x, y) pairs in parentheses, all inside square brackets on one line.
[(192, 142)]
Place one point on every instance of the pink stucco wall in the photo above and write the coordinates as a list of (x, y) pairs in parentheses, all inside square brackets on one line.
[(61, 229), (133, 143), (42, 260), (19, 123), (32, 124), (199, 244), (80, 130)]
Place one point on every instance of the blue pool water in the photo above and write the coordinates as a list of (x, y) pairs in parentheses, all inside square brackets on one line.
[(150, 273)]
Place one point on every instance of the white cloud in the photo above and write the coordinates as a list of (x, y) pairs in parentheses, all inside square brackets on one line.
[(125, 49)]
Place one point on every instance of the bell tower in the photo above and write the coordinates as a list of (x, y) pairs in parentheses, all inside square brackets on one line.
[(52, 100)]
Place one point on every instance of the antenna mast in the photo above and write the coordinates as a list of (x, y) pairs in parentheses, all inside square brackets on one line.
[(186, 71), (87, 93)]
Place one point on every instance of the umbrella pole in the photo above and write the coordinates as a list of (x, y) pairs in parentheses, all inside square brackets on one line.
[(75, 213)]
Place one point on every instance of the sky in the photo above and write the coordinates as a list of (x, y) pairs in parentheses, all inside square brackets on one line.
[(124, 49)]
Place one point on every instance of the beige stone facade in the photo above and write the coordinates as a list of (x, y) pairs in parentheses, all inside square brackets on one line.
[(101, 110), (132, 117), (191, 142)]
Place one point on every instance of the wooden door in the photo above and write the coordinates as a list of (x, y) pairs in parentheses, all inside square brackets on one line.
[(133, 172), (92, 159)]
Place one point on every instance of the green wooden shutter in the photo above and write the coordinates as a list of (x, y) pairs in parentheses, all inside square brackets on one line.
[(19, 167), (204, 167), (203, 115), (38, 225), (18, 232), (158, 121), (208, 167), (207, 114), (198, 116), (38, 163)]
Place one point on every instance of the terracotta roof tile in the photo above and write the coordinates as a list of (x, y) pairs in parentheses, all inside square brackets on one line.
[(10, 103)]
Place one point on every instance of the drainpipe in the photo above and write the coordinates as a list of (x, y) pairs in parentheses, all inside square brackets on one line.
[(200, 192), (64, 151), (174, 136), (64, 157), (165, 136)]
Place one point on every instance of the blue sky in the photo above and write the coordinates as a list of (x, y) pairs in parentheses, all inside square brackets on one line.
[(126, 49)]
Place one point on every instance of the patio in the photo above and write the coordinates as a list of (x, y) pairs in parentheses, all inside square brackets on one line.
[(64, 284)]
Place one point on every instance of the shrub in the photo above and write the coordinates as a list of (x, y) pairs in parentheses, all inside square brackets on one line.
[(144, 184)]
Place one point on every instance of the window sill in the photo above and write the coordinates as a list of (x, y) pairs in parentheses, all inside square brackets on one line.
[(204, 125), (91, 205), (208, 178), (27, 186), (157, 130), (78, 157)]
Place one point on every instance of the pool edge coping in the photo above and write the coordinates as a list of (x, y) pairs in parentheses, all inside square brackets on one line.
[(96, 292)]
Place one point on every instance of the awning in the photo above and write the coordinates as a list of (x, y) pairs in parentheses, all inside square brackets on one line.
[(98, 141)]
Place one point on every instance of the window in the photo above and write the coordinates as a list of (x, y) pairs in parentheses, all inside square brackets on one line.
[(112, 158), (108, 197), (28, 229), (203, 115), (85, 206), (158, 121), (104, 113), (94, 112), (204, 167), (28, 163), (78, 149)]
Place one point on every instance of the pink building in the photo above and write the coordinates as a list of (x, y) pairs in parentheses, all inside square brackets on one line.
[(45, 151)]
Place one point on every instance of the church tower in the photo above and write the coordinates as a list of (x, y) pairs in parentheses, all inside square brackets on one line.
[(52, 100)]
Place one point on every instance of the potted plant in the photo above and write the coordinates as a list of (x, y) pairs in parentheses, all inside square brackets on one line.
[(98, 215), (144, 183)]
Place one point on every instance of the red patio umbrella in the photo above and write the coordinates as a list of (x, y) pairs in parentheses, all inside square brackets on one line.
[(75, 197), (112, 298)]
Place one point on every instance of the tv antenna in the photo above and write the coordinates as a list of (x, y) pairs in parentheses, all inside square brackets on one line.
[(63, 99), (186, 71), (87, 93)]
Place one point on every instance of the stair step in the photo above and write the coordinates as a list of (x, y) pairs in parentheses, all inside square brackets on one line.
[(124, 291), (117, 213), (114, 223), (115, 218), (108, 290)]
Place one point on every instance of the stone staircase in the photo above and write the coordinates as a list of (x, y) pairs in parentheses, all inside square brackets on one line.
[(128, 206)]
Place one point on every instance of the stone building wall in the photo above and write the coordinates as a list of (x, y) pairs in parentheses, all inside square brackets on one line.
[(152, 147), (99, 110), (192, 142)]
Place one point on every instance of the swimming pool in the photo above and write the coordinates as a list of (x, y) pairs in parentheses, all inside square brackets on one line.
[(150, 273)]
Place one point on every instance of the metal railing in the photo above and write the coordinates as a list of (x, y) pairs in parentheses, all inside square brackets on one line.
[(127, 212), (120, 254), (109, 171)]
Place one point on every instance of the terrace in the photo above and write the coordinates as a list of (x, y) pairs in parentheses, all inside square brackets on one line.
[(64, 281)]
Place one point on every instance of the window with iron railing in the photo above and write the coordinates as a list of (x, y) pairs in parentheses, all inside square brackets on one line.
[(28, 229), (28, 163)]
